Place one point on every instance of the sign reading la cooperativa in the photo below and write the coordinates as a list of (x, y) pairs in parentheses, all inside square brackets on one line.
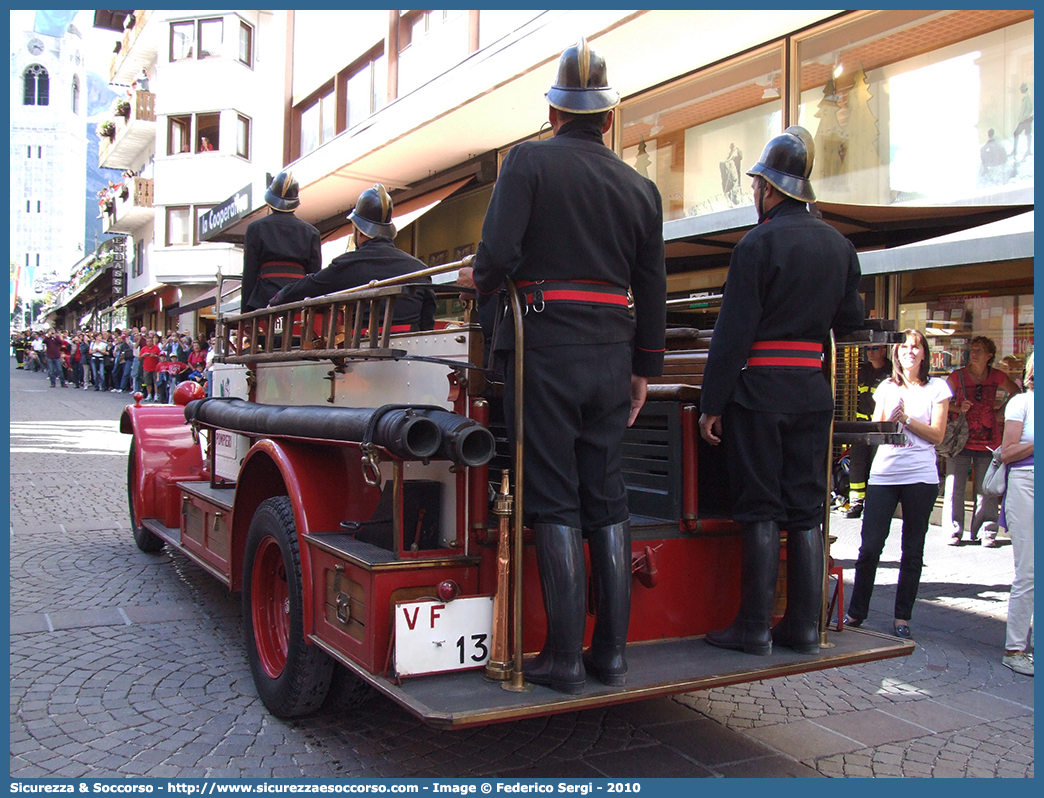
[(224, 214)]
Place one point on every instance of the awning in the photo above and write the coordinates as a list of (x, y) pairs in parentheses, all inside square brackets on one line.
[(206, 299), (403, 214), (85, 319), (145, 292), (998, 242), (707, 241)]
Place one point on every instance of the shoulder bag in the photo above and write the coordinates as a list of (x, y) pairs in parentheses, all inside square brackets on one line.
[(996, 480), (956, 436)]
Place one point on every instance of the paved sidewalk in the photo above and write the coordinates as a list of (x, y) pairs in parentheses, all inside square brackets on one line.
[(128, 664)]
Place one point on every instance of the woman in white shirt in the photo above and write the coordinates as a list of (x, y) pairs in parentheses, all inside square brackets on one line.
[(1017, 452), (902, 474)]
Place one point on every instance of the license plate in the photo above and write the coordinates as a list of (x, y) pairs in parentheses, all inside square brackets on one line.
[(436, 636)]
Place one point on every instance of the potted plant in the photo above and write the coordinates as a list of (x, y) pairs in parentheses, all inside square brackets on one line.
[(108, 130), (123, 109)]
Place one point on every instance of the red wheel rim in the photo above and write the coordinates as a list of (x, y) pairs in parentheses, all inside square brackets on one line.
[(270, 606)]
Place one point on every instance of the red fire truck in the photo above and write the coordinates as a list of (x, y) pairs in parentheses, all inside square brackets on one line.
[(357, 487)]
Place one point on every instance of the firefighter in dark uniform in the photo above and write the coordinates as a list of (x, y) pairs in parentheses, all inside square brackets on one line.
[(791, 280), (575, 227), (871, 372), (279, 248), (375, 257)]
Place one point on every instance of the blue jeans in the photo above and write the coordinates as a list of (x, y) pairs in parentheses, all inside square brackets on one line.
[(128, 370), (98, 372), (54, 370)]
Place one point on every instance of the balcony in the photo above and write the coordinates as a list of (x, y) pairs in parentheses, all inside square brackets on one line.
[(131, 208), (138, 48), (133, 131), (199, 264)]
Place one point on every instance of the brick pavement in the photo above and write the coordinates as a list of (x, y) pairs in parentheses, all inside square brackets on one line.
[(126, 664)]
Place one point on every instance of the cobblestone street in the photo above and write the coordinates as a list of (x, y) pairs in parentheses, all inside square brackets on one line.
[(130, 664)]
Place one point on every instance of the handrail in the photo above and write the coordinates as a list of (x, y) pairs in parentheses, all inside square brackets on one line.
[(266, 335)]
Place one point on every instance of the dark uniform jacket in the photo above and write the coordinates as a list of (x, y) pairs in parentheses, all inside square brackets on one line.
[(569, 209), (376, 259), (869, 379), (278, 237), (791, 278)]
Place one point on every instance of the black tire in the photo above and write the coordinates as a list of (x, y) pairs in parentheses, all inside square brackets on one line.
[(292, 677), (146, 541), (347, 691)]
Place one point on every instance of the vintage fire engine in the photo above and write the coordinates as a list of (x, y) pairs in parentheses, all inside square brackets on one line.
[(357, 487)]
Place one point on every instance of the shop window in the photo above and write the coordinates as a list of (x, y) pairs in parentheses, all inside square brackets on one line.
[(36, 84), (208, 129), (179, 226), (243, 137), (318, 120), (246, 44), (179, 134), (922, 106), (697, 138), (950, 320)]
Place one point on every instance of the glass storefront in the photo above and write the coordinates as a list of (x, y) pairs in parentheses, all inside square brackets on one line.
[(952, 320), (951, 306), (932, 107), (697, 138), (925, 107)]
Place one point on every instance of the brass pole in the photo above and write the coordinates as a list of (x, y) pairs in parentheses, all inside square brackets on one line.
[(518, 681), (498, 668), (826, 506)]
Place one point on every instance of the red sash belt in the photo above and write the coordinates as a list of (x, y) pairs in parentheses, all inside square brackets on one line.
[(537, 293), (804, 354), (282, 268)]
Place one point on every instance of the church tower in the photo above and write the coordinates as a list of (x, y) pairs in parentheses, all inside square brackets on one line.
[(48, 148)]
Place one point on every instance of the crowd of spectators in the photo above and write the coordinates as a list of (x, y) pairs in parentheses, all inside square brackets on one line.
[(135, 360)]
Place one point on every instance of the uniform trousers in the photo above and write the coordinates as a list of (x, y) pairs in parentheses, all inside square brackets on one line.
[(777, 465), (576, 402), (860, 457)]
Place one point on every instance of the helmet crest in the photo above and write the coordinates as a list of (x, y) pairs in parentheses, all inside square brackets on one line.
[(282, 193), (582, 86), (373, 213)]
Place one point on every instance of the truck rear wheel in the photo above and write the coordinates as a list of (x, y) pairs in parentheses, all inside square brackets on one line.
[(145, 540), (292, 677)]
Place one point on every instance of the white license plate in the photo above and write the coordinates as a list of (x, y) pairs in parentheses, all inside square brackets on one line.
[(437, 636)]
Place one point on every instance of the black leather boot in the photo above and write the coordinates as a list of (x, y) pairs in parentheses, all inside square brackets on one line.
[(611, 574), (799, 628), (751, 631), (563, 584)]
